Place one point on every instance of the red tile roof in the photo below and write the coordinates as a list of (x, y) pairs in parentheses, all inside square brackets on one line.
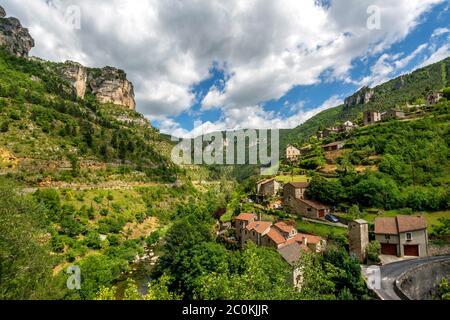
[(259, 226), (246, 217), (283, 226), (276, 236), (309, 237), (400, 224)]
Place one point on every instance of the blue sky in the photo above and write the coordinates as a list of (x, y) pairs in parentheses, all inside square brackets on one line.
[(309, 97), (209, 65)]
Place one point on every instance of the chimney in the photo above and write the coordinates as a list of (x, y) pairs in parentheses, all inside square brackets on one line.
[(305, 241), (260, 216)]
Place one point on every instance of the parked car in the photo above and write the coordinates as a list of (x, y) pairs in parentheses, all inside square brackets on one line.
[(331, 218)]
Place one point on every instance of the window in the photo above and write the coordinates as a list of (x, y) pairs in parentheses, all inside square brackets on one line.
[(387, 237), (408, 236)]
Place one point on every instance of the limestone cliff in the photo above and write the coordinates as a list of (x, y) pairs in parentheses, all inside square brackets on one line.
[(361, 97), (108, 85), (13, 36), (76, 74)]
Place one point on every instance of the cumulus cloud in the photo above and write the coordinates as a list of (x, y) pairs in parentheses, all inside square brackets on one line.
[(250, 117), (265, 47), (440, 54), (388, 66)]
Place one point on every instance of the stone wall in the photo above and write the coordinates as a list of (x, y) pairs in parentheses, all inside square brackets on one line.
[(421, 283)]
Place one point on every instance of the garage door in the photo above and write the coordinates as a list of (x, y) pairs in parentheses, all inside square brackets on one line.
[(389, 249), (412, 251)]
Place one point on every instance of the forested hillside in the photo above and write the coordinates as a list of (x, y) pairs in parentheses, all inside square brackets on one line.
[(49, 133), (397, 93)]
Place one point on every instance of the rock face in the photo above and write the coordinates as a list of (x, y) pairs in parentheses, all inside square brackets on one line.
[(108, 85), (361, 97), (77, 75), (13, 36)]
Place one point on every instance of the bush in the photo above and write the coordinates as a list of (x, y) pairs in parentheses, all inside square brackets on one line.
[(373, 251)]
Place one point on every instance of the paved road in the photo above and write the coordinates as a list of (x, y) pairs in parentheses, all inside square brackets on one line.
[(390, 272)]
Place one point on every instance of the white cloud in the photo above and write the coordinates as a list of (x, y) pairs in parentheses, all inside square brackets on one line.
[(440, 54), (389, 65), (251, 117), (266, 47), (440, 31)]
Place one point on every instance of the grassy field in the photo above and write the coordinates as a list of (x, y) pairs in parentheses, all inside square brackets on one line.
[(295, 178), (319, 229)]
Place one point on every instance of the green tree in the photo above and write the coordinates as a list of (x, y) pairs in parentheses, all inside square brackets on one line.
[(25, 263)]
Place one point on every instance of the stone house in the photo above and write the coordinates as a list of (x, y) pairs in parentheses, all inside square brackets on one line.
[(434, 97), (402, 236), (338, 145), (309, 208), (292, 153), (240, 224), (327, 132), (294, 200), (268, 188), (346, 126), (294, 190), (371, 117), (392, 114)]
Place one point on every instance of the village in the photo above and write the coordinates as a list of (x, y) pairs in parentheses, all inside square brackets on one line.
[(399, 237)]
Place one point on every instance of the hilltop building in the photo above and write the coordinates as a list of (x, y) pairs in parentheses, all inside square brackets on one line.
[(371, 117), (292, 153), (392, 114)]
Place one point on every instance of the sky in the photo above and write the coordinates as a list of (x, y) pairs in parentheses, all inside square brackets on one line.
[(200, 66)]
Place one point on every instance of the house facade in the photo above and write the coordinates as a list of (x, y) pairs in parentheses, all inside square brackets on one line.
[(392, 114), (292, 153), (334, 146), (240, 224), (346, 126), (295, 201), (294, 190), (268, 188), (310, 209), (434, 97), (402, 236), (371, 117)]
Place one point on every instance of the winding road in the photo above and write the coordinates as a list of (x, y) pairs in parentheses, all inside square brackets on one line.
[(390, 272)]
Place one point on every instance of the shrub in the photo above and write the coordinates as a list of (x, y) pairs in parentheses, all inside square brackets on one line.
[(373, 251)]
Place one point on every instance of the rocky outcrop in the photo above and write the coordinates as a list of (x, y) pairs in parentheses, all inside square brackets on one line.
[(77, 76), (110, 85), (361, 97), (15, 38)]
